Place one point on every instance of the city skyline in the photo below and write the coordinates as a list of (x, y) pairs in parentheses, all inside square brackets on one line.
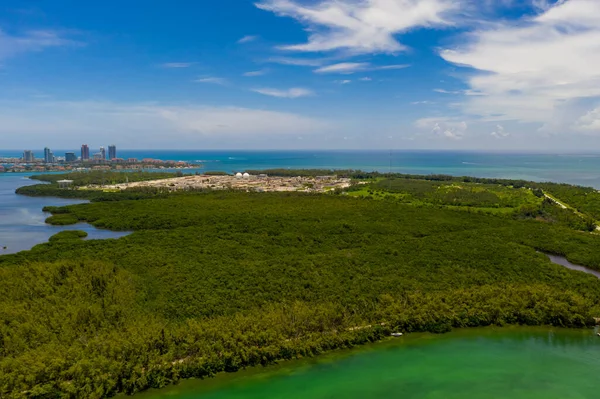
[(70, 156), (304, 74)]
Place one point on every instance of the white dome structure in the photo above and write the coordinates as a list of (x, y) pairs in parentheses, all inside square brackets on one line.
[(238, 175), (246, 175)]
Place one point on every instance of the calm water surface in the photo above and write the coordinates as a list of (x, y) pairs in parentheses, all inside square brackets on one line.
[(583, 169), (514, 363), (559, 260), (22, 220)]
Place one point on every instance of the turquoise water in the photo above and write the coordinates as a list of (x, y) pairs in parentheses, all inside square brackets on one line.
[(480, 363), (583, 169)]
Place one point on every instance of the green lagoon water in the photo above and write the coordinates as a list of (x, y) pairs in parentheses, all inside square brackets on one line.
[(480, 363)]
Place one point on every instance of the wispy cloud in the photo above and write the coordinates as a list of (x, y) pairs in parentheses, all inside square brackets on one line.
[(425, 102), (390, 67), (213, 80), (446, 128), (106, 121), (342, 82), (256, 73), (500, 133), (247, 39), (295, 92), (344, 67), (365, 79), (311, 62), (444, 91), (538, 69), (361, 26), (177, 64), (34, 40), (589, 123), (352, 67)]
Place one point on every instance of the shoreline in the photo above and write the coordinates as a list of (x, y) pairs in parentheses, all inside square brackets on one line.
[(286, 367)]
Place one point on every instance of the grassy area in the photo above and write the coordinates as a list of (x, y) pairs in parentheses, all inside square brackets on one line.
[(479, 197)]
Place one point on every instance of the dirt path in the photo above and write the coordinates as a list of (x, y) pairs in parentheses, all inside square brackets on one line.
[(563, 206)]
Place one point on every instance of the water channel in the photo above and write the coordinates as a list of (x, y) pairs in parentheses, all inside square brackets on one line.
[(22, 223), (559, 260)]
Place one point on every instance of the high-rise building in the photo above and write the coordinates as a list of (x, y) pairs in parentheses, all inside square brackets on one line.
[(103, 152), (48, 155), (70, 157), (112, 151), (28, 156), (85, 152)]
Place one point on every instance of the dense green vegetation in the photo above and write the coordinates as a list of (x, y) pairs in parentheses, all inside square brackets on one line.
[(217, 281), (585, 199), (104, 177), (500, 199), (95, 178), (68, 235), (62, 219), (444, 193)]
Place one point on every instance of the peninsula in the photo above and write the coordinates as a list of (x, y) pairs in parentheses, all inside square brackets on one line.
[(221, 278)]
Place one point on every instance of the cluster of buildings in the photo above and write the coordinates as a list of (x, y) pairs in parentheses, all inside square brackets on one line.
[(99, 156), (71, 157), (104, 159)]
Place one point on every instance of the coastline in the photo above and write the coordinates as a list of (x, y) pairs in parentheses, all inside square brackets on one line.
[(572, 168), (286, 369)]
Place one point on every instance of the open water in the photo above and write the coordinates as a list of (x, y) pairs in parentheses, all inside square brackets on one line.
[(516, 363), (581, 169), (22, 220)]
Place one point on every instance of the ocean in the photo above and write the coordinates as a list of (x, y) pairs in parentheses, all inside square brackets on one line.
[(580, 169)]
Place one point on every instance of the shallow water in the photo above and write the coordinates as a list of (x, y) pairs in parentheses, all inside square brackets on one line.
[(489, 363), (22, 223)]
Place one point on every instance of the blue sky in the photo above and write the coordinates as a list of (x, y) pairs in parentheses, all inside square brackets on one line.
[(294, 74)]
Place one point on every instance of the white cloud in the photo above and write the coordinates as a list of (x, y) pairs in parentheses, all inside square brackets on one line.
[(295, 92), (131, 123), (389, 67), (312, 62), (447, 128), (256, 73), (537, 69), (352, 67), (213, 80), (342, 82), (422, 102), (344, 67), (365, 79), (443, 91), (247, 39), (367, 26), (500, 133), (177, 64), (35, 40), (590, 122)]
